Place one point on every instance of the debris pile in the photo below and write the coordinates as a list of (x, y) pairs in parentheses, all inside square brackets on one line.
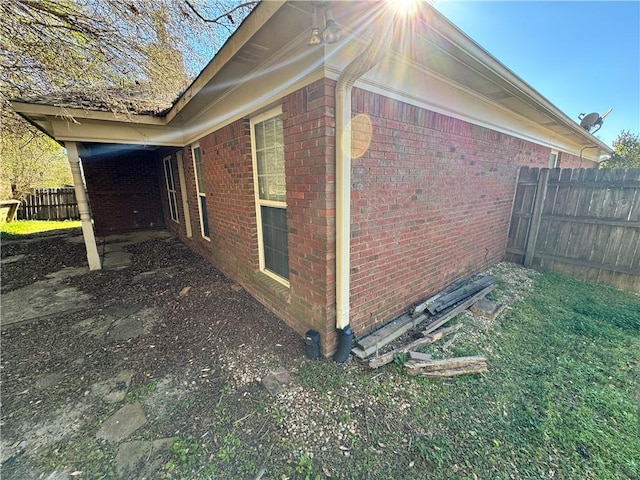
[(427, 318)]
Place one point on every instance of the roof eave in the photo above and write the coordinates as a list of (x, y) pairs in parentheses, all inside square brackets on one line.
[(254, 22), (464, 42)]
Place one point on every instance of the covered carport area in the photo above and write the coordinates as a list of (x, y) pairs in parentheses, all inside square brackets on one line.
[(115, 162)]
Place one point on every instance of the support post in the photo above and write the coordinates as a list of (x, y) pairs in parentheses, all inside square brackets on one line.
[(83, 207), (536, 216)]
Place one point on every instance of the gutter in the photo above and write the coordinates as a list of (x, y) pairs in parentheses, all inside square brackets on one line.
[(365, 61)]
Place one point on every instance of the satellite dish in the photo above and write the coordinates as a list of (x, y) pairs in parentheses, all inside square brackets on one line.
[(592, 120)]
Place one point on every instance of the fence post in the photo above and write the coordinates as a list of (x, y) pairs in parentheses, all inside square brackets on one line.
[(536, 216)]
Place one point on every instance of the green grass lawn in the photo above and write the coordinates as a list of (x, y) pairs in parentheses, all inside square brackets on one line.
[(17, 228), (560, 399)]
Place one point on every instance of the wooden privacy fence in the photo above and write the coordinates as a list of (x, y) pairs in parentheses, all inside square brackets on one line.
[(583, 223), (50, 204)]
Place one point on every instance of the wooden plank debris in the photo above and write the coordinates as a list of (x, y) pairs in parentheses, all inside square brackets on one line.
[(461, 293), (372, 343), (446, 367), (444, 317), (419, 356), (467, 294), (418, 309), (428, 338)]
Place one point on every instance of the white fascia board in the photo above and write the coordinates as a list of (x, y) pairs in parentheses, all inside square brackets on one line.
[(438, 94), (111, 132), (256, 20), (281, 75)]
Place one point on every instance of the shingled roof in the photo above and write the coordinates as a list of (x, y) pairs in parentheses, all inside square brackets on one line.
[(129, 100)]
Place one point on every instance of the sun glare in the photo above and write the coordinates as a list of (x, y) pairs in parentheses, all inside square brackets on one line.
[(404, 7)]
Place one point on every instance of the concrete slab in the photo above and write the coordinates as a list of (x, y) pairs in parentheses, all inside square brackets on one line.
[(125, 329), (116, 260), (122, 423), (49, 381), (487, 308), (142, 459), (42, 299), (155, 275), (68, 272), (133, 325), (114, 389), (12, 259)]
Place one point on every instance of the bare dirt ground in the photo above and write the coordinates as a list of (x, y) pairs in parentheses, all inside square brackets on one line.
[(192, 361)]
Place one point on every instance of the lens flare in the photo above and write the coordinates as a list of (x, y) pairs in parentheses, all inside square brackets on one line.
[(404, 7)]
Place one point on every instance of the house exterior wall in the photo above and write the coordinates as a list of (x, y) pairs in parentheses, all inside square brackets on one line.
[(308, 128), (567, 160), (431, 200), (124, 192)]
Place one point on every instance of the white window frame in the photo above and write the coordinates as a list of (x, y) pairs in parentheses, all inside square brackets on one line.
[(260, 202), (202, 195), (183, 193), (553, 159), (170, 181)]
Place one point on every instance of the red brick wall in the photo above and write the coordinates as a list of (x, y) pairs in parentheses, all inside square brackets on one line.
[(309, 145), (431, 200), (567, 160), (124, 192)]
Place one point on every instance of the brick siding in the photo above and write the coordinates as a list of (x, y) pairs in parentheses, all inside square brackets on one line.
[(233, 247), (567, 160), (124, 192), (431, 200)]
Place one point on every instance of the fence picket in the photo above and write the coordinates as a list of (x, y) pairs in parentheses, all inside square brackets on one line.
[(50, 204), (587, 226)]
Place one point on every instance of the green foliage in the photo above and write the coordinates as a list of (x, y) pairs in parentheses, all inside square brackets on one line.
[(18, 228), (626, 151), (304, 468), (141, 393), (32, 160), (184, 452), (323, 376)]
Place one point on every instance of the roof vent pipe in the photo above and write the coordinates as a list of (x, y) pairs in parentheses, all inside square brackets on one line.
[(368, 58)]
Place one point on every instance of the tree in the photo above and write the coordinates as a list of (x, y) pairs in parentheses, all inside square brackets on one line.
[(32, 160), (100, 50), (115, 55), (626, 151)]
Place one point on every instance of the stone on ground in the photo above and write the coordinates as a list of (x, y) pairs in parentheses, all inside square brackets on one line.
[(276, 380), (114, 389), (142, 459), (122, 423)]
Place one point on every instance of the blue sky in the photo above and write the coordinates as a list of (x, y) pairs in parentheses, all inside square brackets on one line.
[(582, 56)]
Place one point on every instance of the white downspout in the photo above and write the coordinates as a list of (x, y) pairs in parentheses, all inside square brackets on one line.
[(370, 57), (83, 207)]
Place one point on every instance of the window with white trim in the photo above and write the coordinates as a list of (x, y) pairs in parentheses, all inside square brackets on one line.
[(267, 146), (200, 190), (553, 159), (171, 188)]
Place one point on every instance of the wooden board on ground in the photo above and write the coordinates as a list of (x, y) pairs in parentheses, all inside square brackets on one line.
[(444, 317), (389, 356), (372, 343), (446, 367)]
